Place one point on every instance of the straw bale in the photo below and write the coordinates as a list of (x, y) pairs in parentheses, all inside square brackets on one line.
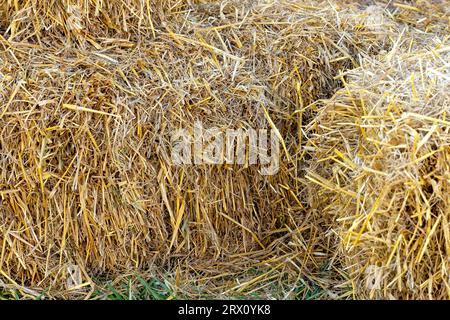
[(381, 149), (90, 94)]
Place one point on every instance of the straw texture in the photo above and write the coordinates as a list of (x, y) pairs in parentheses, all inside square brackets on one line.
[(91, 92)]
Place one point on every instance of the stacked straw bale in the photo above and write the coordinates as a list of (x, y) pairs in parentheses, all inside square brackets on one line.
[(91, 91), (87, 112), (382, 152)]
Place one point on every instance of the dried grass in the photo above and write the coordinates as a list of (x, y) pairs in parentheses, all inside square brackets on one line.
[(382, 147), (431, 16), (86, 180)]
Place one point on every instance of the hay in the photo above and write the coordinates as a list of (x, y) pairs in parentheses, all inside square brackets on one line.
[(431, 16), (382, 147), (91, 92)]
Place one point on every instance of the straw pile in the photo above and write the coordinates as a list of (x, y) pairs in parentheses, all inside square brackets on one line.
[(90, 93), (382, 147), (431, 16)]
